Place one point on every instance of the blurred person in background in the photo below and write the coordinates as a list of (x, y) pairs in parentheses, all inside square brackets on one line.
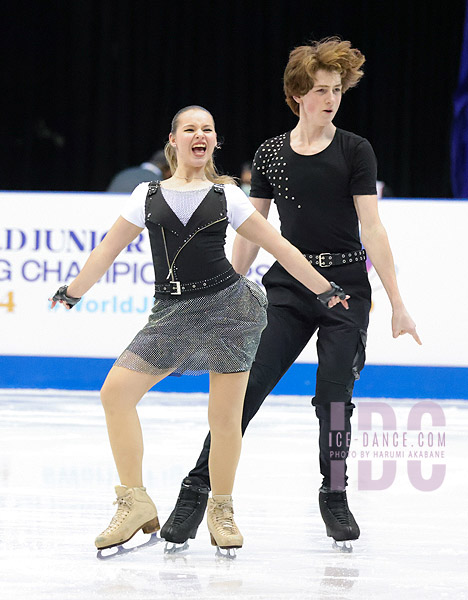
[(245, 179), (126, 181)]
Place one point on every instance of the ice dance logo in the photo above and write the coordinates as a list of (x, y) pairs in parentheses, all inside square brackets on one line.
[(381, 448)]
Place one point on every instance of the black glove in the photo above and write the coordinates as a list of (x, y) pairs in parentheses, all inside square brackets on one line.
[(61, 294), (325, 297)]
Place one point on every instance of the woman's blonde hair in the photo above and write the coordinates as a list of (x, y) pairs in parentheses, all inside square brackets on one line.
[(330, 54), (171, 154)]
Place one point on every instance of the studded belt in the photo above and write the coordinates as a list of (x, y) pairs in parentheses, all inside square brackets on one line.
[(327, 259), (177, 288)]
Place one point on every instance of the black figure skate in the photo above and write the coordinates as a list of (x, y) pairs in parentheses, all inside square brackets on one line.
[(338, 519), (186, 516)]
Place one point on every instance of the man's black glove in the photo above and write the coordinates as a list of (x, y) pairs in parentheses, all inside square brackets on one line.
[(325, 297), (61, 294)]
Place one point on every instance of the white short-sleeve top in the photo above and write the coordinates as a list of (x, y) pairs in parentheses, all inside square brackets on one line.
[(184, 203)]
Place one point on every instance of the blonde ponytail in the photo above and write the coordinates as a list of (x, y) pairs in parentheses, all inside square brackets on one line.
[(213, 175), (171, 156)]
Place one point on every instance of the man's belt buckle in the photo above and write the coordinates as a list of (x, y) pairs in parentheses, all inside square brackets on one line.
[(322, 258), (175, 288)]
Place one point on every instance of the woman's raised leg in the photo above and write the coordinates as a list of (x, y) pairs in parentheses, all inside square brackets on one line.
[(120, 394)]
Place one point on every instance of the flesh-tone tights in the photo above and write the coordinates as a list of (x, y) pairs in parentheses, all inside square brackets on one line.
[(122, 391)]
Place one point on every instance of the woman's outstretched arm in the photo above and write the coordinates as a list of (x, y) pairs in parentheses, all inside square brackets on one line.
[(257, 230), (101, 258)]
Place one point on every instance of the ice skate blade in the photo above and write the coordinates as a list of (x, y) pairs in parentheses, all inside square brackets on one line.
[(215, 543), (346, 547), (154, 539), (229, 553), (175, 548)]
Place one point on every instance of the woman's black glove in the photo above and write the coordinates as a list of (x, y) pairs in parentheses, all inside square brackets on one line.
[(61, 294), (336, 290)]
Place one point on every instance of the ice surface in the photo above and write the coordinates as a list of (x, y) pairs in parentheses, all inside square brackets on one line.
[(57, 477)]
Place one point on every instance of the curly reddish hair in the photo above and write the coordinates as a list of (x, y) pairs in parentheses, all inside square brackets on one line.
[(330, 54)]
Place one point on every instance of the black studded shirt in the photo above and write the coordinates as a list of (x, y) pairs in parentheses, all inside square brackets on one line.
[(314, 194)]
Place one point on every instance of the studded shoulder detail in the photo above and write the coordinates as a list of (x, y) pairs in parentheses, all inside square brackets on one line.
[(271, 163)]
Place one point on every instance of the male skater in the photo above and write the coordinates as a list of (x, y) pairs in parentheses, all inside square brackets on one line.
[(323, 181)]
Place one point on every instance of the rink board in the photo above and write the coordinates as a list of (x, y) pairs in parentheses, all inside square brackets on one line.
[(45, 239), (377, 381)]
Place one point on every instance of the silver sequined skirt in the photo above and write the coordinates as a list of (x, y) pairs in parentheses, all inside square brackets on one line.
[(217, 332)]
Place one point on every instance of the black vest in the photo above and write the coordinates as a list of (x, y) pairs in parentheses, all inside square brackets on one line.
[(189, 260)]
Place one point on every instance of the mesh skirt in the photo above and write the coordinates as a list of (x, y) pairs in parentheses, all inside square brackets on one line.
[(217, 332)]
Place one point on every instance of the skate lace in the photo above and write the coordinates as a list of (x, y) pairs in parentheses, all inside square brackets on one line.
[(339, 508), (224, 519), (184, 509), (123, 510)]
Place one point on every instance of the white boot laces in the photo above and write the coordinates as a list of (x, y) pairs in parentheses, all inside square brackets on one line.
[(225, 518), (123, 510)]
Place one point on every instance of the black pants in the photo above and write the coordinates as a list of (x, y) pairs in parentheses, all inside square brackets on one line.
[(294, 314)]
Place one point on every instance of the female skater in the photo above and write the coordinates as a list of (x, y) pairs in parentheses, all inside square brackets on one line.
[(206, 317)]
